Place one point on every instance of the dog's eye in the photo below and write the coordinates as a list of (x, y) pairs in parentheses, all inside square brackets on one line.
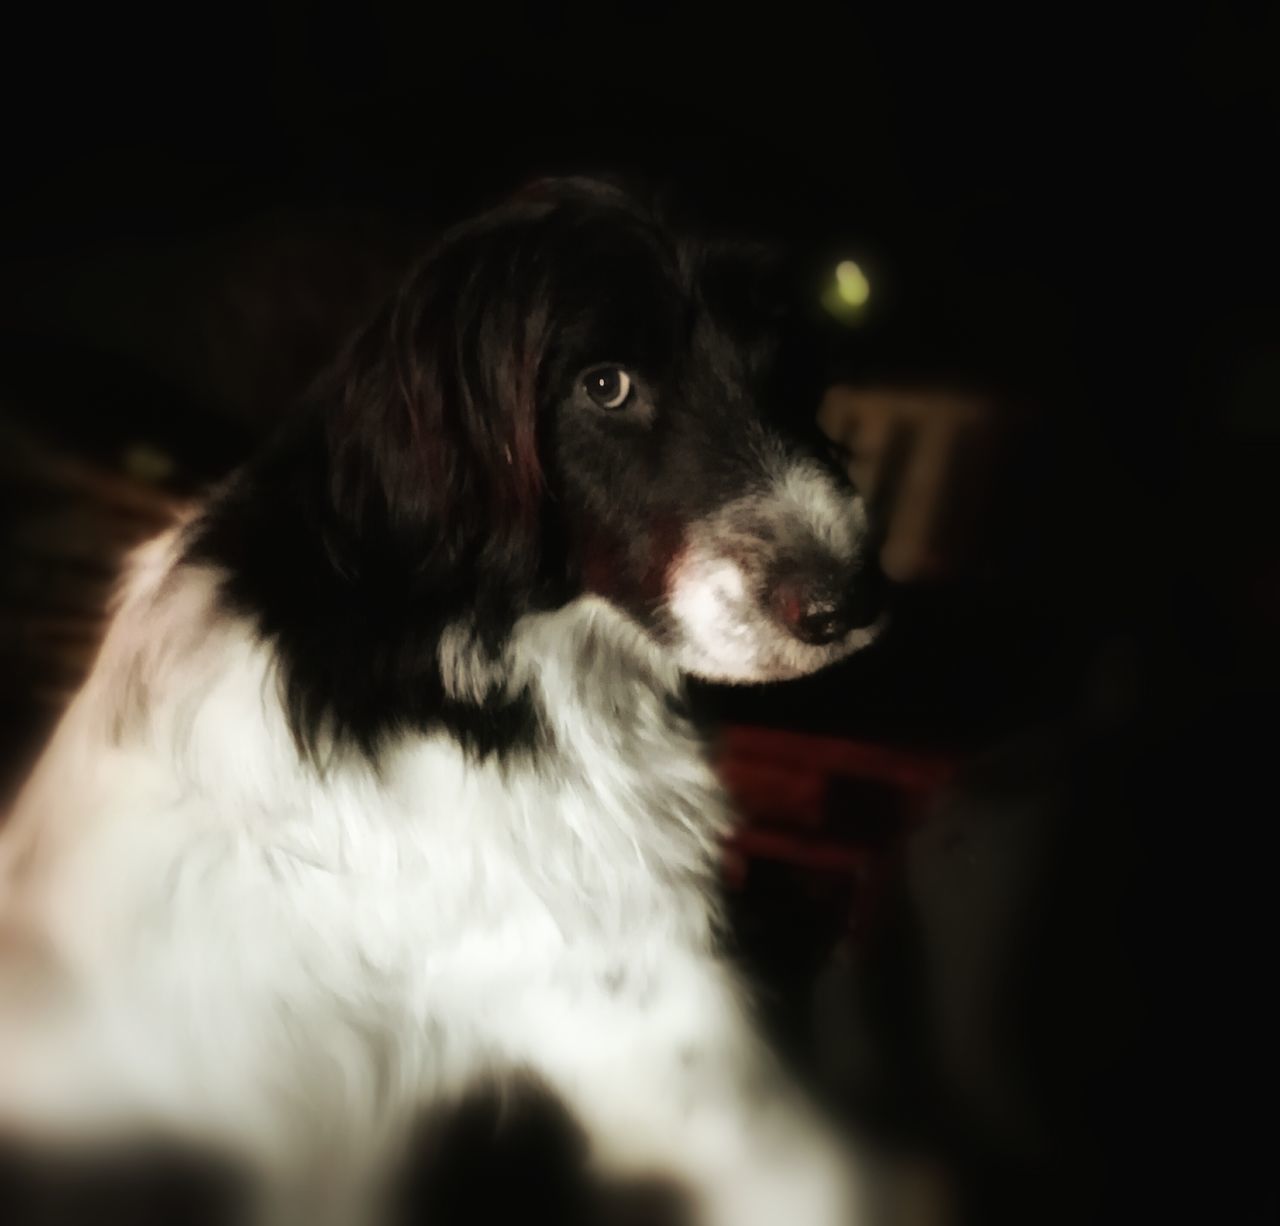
[(608, 386)]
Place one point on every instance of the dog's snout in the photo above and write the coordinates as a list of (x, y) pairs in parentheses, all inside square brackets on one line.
[(818, 609)]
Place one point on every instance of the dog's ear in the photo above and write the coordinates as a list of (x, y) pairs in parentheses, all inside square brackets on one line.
[(750, 278), (760, 290), (433, 442)]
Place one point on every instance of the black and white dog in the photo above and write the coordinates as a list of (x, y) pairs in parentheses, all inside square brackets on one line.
[(382, 784)]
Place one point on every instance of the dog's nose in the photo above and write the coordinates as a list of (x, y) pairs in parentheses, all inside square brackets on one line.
[(818, 610)]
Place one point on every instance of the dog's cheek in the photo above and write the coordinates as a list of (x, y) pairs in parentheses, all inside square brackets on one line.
[(601, 564), (633, 571)]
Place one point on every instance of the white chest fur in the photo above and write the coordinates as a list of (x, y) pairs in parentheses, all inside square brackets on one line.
[(232, 940)]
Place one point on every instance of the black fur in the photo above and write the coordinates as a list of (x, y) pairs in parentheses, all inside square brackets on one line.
[(139, 1184), (513, 1153)]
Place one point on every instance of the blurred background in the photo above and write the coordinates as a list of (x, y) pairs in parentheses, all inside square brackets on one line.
[(1007, 879)]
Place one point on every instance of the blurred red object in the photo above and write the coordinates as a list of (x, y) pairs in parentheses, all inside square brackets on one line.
[(825, 805)]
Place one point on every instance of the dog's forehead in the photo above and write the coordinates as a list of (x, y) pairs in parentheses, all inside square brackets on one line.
[(614, 291), (622, 293), (611, 281), (610, 257)]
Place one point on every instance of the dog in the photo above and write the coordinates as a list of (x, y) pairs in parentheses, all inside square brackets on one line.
[(384, 783)]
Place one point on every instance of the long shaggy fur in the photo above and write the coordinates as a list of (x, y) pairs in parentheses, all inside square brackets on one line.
[(382, 785)]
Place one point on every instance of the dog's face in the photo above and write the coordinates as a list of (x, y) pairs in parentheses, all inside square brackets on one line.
[(573, 390), (744, 553), (561, 399)]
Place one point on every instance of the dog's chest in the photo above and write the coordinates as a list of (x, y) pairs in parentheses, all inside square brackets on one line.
[(397, 938), (444, 869)]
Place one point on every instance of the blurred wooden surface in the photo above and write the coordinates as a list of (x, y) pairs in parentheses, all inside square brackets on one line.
[(66, 525), (926, 458)]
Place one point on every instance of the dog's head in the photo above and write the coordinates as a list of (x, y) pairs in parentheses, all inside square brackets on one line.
[(573, 384), (563, 398)]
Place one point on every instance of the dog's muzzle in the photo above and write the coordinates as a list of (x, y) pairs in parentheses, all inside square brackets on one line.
[(821, 605)]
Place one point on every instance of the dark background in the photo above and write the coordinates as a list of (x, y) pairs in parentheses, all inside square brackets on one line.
[(1072, 212)]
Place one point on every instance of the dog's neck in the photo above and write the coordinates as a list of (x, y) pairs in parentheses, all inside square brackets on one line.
[(615, 801), (615, 766), (616, 735)]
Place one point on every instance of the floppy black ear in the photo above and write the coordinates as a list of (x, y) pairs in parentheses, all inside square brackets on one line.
[(749, 281), (433, 434), (406, 499), (759, 290)]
